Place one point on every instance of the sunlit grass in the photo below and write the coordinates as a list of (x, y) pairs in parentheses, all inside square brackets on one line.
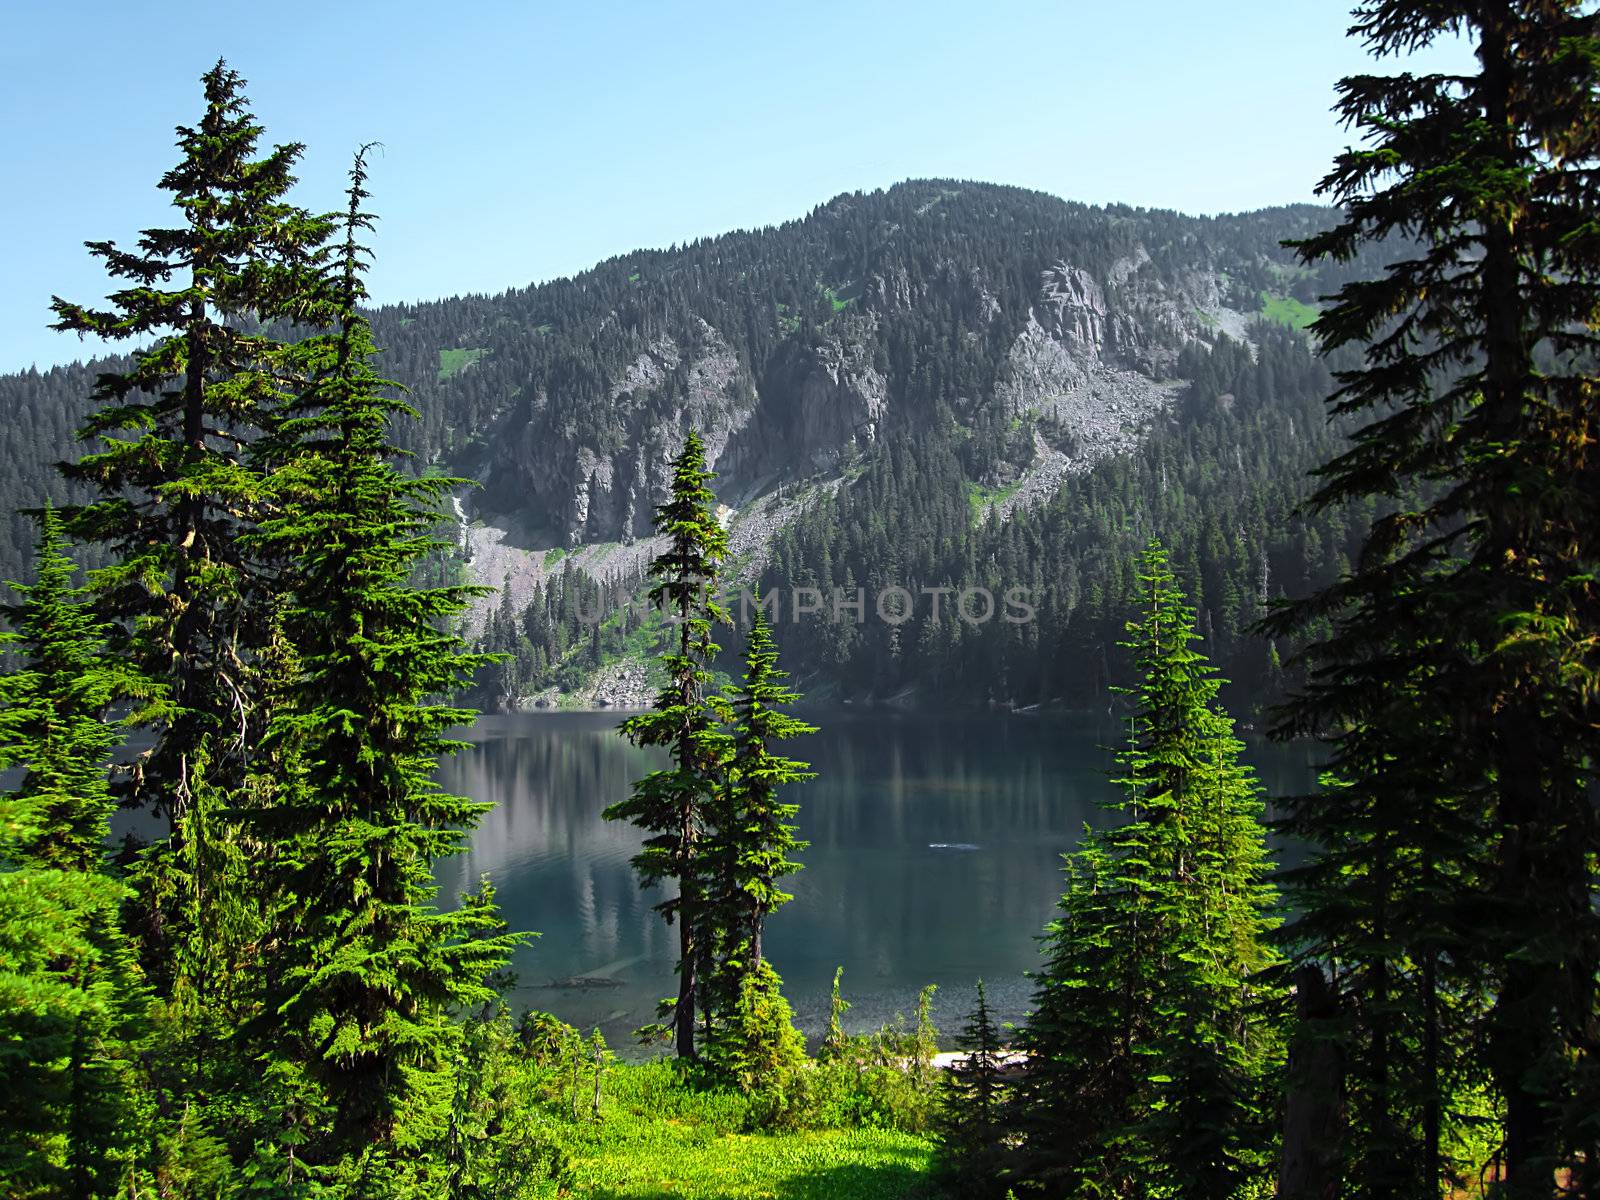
[(453, 362), (656, 1138), (1286, 310)]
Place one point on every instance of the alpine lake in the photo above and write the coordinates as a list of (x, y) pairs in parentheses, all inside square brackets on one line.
[(934, 857)]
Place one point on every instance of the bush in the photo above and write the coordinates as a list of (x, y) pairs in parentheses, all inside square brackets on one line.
[(880, 1081), (856, 1090), (763, 1053)]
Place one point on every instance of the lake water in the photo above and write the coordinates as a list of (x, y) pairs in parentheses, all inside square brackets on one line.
[(934, 858)]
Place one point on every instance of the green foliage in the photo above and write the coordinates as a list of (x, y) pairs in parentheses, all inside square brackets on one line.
[(174, 492), (883, 1079), (499, 1146), (169, 495), (453, 362), (664, 1140), (837, 302), (1151, 1044), (973, 1096), (53, 714), (71, 995), (1286, 310), (364, 973), (833, 1039), (670, 806), (662, 1124), (1454, 668), (761, 1050), (748, 847)]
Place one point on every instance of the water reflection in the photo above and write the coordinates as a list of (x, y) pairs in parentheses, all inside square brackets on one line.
[(934, 858)]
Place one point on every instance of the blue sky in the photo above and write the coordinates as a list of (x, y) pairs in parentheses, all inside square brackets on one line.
[(528, 141)]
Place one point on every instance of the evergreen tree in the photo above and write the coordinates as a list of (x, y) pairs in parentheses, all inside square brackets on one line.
[(671, 806), (758, 1046), (362, 973), (55, 709), (175, 494), (1149, 1046), (748, 847), (70, 994), (973, 1091), (1456, 667), (1077, 1095)]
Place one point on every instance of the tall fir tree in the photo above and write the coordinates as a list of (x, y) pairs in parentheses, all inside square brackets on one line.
[(362, 972), (672, 806), (751, 839), (1458, 679), (71, 996), (176, 494), (1151, 1045)]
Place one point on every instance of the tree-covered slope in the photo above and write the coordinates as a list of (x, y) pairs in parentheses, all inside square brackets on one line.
[(935, 385)]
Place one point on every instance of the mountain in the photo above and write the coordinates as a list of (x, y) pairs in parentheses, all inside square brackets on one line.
[(944, 384)]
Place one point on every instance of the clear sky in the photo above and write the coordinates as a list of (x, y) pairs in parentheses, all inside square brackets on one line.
[(525, 141)]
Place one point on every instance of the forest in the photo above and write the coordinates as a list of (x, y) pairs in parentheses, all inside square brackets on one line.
[(244, 618)]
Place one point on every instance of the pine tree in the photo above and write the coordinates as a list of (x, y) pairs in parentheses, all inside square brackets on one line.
[(748, 847), (973, 1094), (71, 996), (176, 494), (671, 806), (362, 972), (1457, 680), (760, 1049), (1077, 1097), (1149, 1052), (56, 705)]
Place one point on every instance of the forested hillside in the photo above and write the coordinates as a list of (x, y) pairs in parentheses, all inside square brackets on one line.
[(940, 385)]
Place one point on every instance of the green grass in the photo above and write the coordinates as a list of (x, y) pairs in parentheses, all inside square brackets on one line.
[(981, 498), (453, 362), (1286, 310), (658, 1159), (656, 1138), (553, 556), (840, 303)]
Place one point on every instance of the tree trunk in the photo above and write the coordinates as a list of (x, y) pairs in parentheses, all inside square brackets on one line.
[(683, 1014), (1313, 1121)]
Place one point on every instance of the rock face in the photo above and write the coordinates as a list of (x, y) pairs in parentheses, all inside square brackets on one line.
[(577, 493), (1095, 375), (829, 399), (1077, 309), (621, 685)]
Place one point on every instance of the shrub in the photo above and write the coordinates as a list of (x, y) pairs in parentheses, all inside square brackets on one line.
[(762, 1052)]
